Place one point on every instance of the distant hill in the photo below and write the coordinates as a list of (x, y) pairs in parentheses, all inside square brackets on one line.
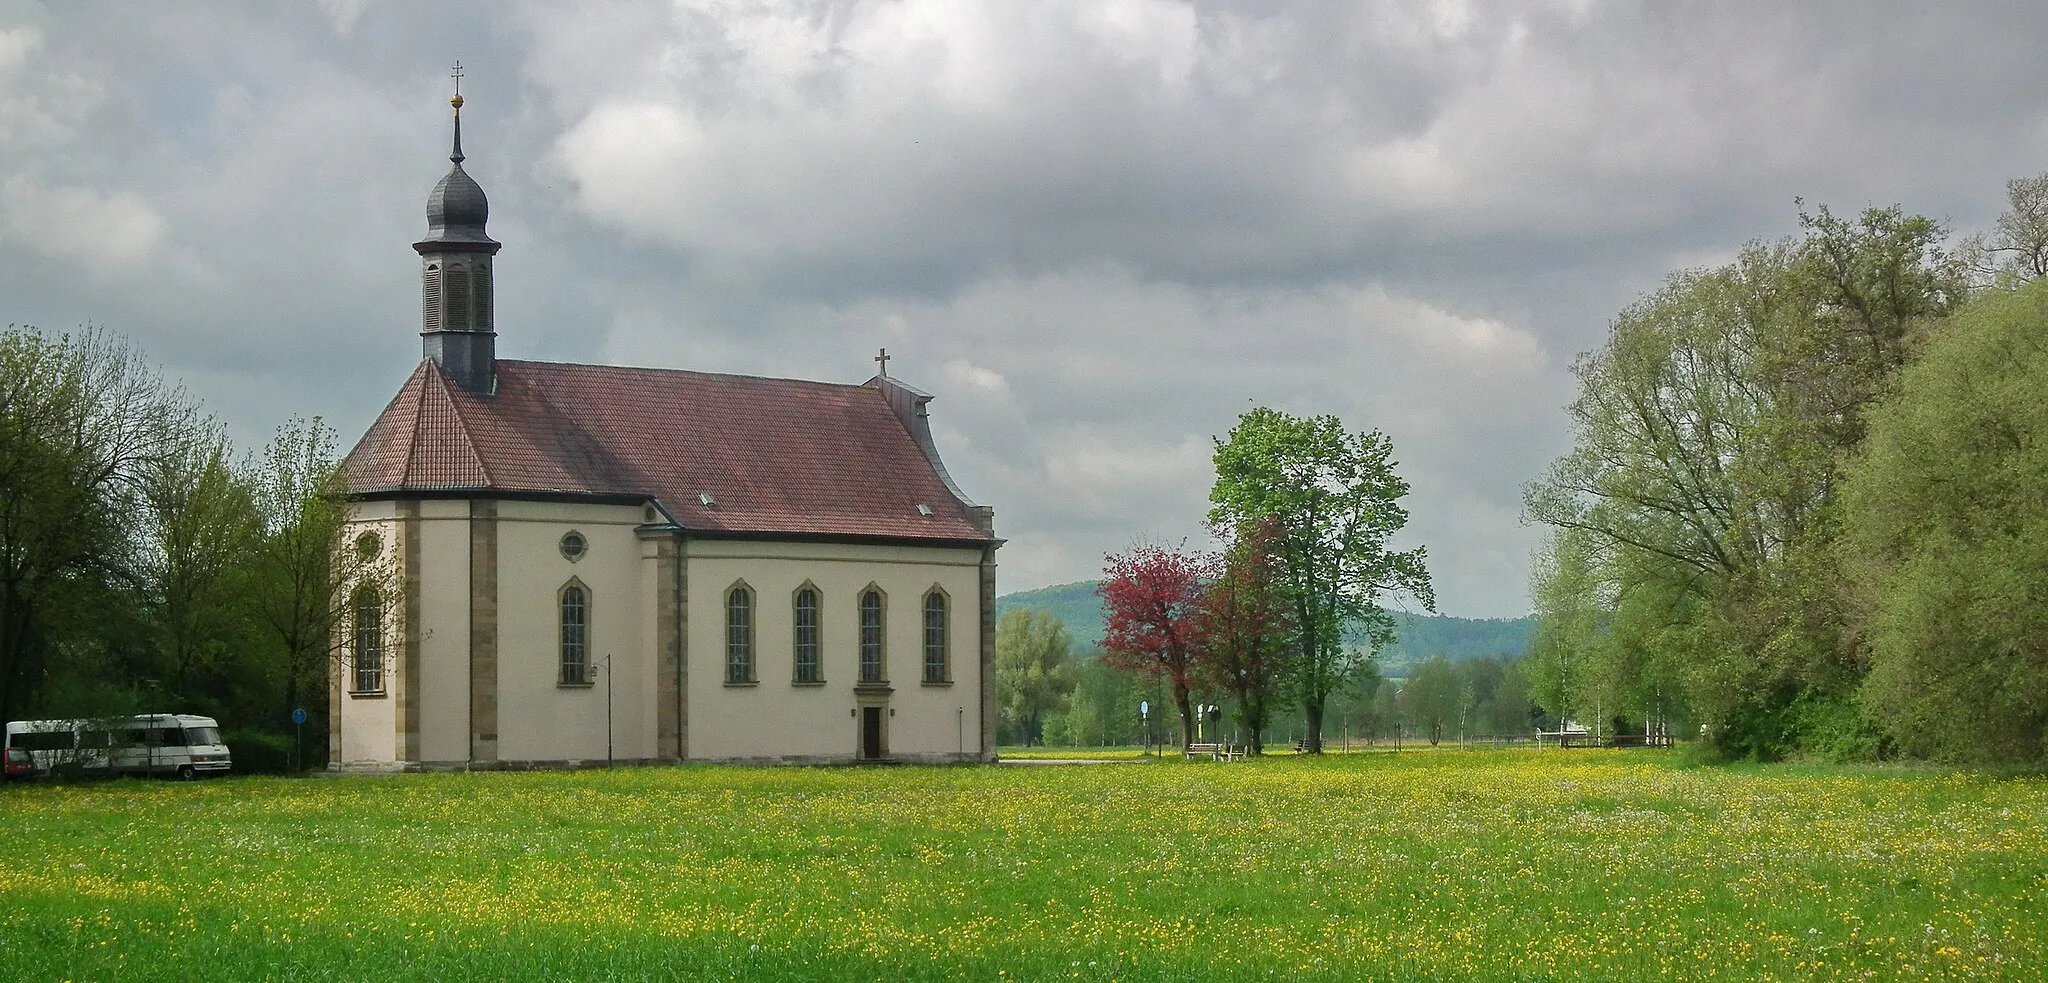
[(1075, 604), (1417, 636)]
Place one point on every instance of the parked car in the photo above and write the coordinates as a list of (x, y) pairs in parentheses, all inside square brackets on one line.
[(20, 764)]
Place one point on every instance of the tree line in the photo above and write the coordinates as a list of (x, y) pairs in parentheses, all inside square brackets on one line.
[(145, 566), (1053, 692), (1305, 511), (1806, 507)]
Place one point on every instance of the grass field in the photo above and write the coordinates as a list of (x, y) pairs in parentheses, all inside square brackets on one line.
[(1515, 865)]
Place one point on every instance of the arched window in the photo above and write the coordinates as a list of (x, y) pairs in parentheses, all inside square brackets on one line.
[(871, 636), (575, 604), (806, 622), (368, 645), (935, 661), (739, 635)]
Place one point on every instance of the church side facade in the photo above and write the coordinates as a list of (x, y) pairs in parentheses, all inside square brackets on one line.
[(495, 647)]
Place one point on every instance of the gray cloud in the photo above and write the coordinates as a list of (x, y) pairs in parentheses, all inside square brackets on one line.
[(1097, 230)]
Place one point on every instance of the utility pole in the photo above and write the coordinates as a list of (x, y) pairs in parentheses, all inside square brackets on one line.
[(607, 709)]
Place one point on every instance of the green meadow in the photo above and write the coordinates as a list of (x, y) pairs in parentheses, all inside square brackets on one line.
[(1442, 865)]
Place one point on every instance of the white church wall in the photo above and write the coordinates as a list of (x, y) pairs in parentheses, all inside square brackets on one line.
[(367, 725), (775, 718), (444, 630), (540, 719)]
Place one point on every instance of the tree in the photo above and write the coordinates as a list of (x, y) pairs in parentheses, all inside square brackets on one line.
[(304, 568), (1152, 601), (1102, 710), (1508, 709), (1335, 502), (1566, 584), (1386, 712), (1947, 525), (1695, 563), (1435, 699), (1245, 629), (200, 524), (1034, 671), (81, 421), (2017, 251)]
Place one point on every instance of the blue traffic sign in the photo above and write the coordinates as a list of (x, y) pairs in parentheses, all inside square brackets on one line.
[(299, 716)]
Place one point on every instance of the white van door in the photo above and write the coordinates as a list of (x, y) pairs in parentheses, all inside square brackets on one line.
[(171, 755), (130, 752)]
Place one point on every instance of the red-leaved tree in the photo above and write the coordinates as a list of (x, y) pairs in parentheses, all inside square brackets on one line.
[(1246, 627), (1153, 599)]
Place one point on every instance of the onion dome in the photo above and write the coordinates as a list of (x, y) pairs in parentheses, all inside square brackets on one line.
[(457, 208)]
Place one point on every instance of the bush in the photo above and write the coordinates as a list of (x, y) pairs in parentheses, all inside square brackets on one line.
[(257, 752), (1837, 729)]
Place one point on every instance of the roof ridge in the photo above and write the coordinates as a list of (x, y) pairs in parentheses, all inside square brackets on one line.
[(416, 432), (693, 372)]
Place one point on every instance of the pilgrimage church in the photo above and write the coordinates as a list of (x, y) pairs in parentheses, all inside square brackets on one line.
[(585, 563)]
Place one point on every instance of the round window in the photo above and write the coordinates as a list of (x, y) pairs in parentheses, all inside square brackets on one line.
[(573, 546), (368, 546)]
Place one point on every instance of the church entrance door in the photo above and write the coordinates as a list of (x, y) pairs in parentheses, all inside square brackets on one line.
[(871, 733)]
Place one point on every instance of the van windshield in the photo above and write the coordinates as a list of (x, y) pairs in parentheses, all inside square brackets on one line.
[(195, 736)]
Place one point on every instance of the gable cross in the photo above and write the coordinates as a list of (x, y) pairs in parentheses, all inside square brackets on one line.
[(883, 358)]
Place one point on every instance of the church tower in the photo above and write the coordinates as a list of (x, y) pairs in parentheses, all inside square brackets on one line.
[(458, 325)]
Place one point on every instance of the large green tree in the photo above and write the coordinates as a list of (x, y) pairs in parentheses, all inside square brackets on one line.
[(83, 423), (1335, 502), (1436, 699), (1697, 512), (1947, 528), (199, 525), (1034, 672)]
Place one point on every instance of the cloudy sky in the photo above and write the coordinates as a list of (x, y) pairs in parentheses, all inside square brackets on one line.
[(1097, 230)]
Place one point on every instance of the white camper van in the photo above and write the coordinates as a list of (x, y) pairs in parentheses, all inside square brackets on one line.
[(148, 744)]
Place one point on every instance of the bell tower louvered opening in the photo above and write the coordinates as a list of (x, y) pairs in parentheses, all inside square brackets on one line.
[(460, 312), (430, 299)]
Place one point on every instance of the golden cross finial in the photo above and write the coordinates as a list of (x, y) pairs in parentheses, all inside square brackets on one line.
[(457, 76)]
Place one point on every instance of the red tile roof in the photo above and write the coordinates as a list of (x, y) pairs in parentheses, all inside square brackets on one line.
[(777, 456)]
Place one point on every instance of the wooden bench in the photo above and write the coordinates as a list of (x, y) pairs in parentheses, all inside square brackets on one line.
[(1215, 752)]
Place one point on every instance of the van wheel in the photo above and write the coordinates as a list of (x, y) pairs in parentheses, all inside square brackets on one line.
[(185, 773)]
